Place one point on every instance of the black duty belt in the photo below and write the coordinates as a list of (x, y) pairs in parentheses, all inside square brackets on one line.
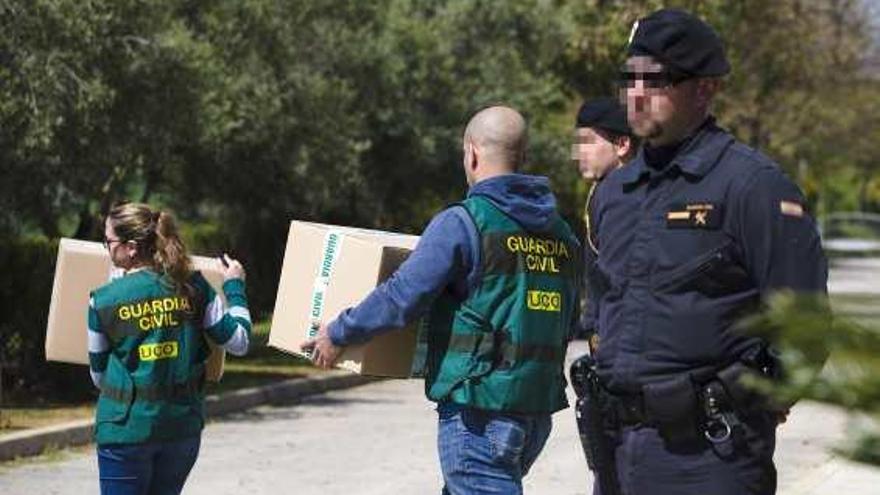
[(680, 409), (708, 404), (627, 410)]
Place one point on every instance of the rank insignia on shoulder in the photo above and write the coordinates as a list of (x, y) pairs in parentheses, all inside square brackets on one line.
[(702, 215), (791, 208)]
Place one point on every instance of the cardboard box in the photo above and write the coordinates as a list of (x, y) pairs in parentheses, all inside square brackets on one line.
[(327, 269), (83, 266)]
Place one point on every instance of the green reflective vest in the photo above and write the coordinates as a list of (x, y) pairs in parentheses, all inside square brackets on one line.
[(503, 348), (153, 386)]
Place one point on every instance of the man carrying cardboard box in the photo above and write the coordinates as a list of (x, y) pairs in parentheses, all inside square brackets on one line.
[(498, 276)]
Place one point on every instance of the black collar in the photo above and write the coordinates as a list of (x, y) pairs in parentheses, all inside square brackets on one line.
[(696, 157)]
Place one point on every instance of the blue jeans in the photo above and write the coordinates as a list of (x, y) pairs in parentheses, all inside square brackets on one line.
[(484, 452), (158, 468)]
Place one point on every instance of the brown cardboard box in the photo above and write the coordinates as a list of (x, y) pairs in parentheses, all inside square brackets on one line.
[(83, 266), (327, 269)]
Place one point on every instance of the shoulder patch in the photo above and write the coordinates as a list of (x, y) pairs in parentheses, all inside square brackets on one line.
[(791, 208), (699, 215)]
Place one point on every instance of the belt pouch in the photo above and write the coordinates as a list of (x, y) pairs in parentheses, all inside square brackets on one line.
[(672, 405)]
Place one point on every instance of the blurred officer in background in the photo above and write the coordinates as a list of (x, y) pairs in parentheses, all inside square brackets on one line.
[(603, 142)]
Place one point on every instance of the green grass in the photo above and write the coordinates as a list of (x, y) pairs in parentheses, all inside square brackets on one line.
[(261, 366), (22, 417)]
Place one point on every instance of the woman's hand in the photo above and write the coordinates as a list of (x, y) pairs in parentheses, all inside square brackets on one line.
[(231, 268)]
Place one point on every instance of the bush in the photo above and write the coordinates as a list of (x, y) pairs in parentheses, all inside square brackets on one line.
[(28, 267)]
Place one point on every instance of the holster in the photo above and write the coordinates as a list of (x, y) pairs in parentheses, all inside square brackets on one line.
[(595, 419)]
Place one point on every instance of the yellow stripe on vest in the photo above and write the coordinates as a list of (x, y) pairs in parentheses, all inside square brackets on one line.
[(161, 350)]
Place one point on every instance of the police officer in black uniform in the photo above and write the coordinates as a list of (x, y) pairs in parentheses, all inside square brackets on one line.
[(603, 142), (692, 235)]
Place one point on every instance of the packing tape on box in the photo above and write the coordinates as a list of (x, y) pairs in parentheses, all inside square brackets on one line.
[(332, 248)]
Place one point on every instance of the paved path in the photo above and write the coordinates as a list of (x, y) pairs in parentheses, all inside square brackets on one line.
[(854, 276)]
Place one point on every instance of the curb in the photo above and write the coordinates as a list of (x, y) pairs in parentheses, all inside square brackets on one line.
[(36, 441)]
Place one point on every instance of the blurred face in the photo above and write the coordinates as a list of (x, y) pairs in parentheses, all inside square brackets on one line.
[(660, 104), (594, 154)]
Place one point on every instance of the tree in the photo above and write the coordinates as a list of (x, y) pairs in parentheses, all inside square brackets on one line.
[(98, 103)]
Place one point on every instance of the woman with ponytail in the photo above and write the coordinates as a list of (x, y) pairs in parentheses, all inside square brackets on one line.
[(148, 333)]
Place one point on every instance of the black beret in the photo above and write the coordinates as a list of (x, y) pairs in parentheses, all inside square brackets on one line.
[(680, 41), (606, 114)]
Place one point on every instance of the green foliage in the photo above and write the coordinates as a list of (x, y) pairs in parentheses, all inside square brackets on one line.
[(87, 113), (806, 332), (354, 115), (25, 289)]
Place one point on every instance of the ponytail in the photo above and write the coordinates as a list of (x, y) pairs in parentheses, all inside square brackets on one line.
[(159, 244), (170, 256)]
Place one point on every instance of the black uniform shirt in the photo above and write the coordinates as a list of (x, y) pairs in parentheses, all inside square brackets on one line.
[(690, 247)]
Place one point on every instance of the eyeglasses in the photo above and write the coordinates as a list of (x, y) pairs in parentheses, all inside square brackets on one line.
[(661, 79), (109, 242)]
